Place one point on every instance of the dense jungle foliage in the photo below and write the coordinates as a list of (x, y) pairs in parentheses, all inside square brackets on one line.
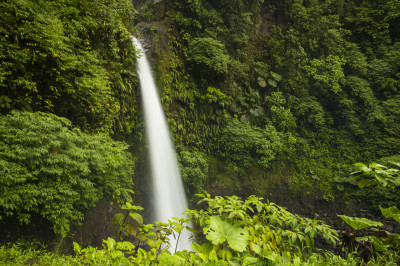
[(232, 232), (71, 59), (298, 87), (50, 169), (258, 94)]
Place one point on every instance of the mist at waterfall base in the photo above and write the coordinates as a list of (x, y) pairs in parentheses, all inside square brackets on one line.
[(168, 195)]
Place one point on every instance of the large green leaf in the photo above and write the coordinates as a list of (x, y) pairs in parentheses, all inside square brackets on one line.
[(130, 229), (203, 251), (118, 219), (359, 223), (378, 244), (222, 231), (272, 82), (168, 259), (110, 243), (391, 212), (178, 227), (366, 182), (276, 76), (137, 217), (213, 256)]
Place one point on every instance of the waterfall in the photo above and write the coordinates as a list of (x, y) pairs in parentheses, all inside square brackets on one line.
[(167, 188)]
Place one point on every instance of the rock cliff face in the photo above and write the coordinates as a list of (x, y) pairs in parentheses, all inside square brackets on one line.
[(97, 225)]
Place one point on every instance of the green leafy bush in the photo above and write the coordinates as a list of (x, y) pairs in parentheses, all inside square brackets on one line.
[(236, 232), (231, 230), (250, 145), (251, 230), (359, 223), (383, 242), (375, 174), (194, 169), (209, 54), (31, 253), (52, 169)]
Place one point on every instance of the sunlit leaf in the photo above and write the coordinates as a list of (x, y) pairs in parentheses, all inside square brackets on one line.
[(137, 217), (191, 229), (178, 228), (272, 82), (118, 219), (222, 231), (359, 223), (364, 182), (77, 248), (110, 243), (130, 229), (213, 256), (391, 212), (276, 76), (125, 245), (249, 260), (256, 248), (378, 244), (166, 258), (142, 237)]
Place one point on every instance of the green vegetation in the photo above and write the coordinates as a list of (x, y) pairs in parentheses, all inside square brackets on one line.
[(232, 231), (253, 226), (376, 174), (302, 86), (51, 169), (194, 169), (258, 94), (71, 58), (383, 241)]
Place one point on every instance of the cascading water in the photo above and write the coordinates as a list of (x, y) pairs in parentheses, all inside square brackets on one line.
[(167, 188)]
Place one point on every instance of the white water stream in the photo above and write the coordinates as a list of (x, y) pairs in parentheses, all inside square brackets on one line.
[(167, 188)]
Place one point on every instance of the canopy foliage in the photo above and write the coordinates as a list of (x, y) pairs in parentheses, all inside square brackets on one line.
[(71, 58)]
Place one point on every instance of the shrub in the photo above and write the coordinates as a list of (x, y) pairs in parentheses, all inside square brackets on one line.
[(51, 169), (194, 170), (209, 55), (250, 145)]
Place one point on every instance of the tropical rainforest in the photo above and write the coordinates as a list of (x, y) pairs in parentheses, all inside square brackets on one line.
[(262, 97)]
